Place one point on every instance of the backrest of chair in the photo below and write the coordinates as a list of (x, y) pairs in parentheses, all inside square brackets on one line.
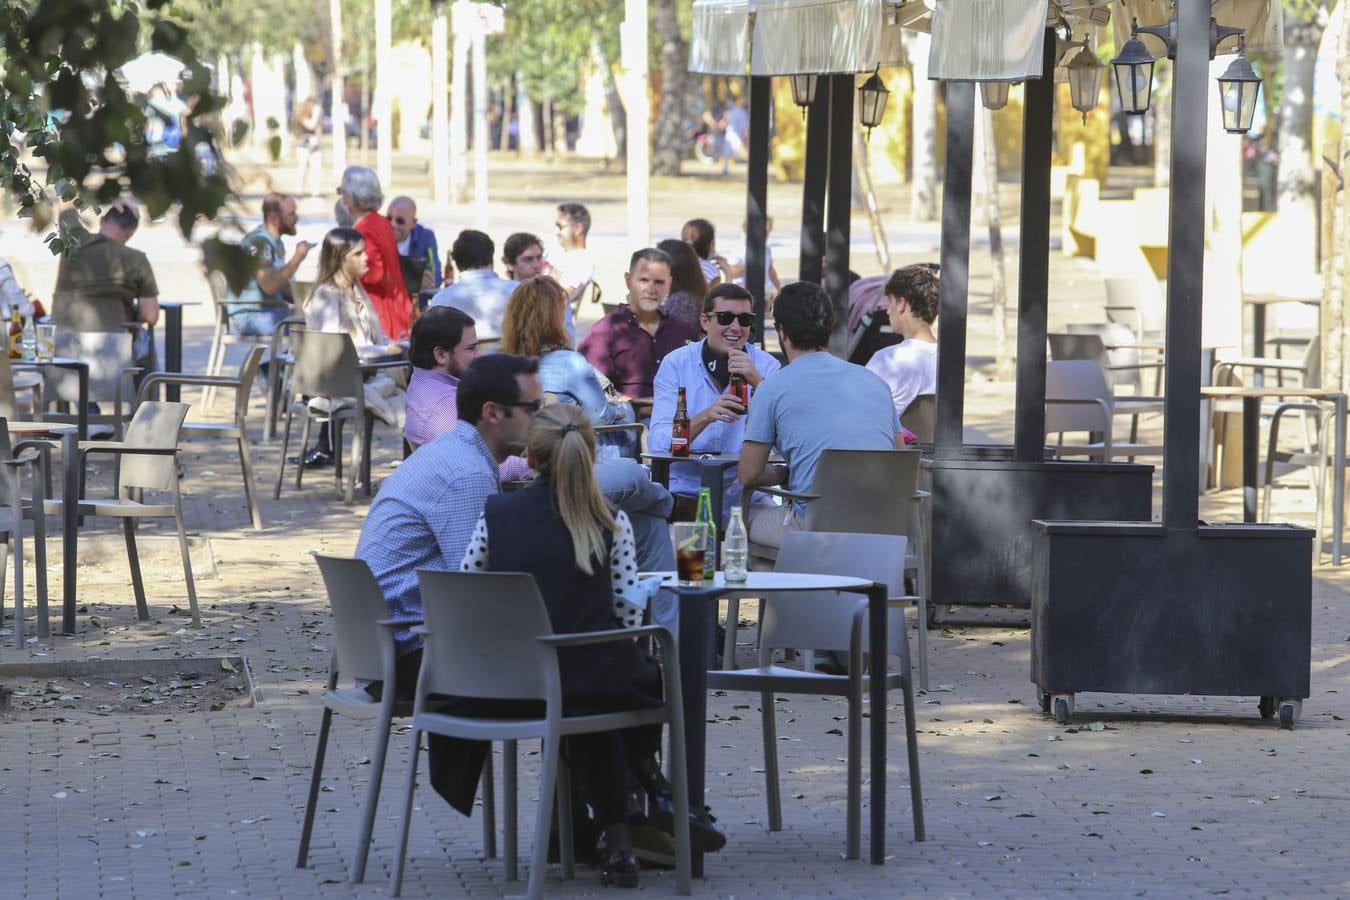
[(8, 404), (921, 418), (106, 352), (219, 292), (1138, 302), (357, 603), (9, 476), (821, 620), (1115, 333), (482, 628), (860, 491), (1076, 379), (156, 425), (325, 365), (248, 371), (1312, 362)]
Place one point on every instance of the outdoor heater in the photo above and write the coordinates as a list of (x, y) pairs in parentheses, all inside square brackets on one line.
[(872, 97), (994, 94)]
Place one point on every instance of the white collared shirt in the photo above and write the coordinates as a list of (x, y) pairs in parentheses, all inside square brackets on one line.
[(683, 368)]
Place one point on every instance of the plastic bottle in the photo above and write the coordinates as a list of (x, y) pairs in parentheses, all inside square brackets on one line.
[(29, 340), (736, 550), (705, 518)]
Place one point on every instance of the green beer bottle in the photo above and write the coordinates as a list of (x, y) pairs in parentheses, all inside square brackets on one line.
[(705, 518)]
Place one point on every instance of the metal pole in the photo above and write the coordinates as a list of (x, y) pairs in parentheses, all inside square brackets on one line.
[(480, 129), (637, 108), (811, 261), (440, 107), (384, 92), (955, 282), (841, 206), (337, 103), (756, 197), (1185, 266), (459, 111), (1033, 278)]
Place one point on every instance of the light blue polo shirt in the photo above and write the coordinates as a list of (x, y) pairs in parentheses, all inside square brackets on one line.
[(819, 402)]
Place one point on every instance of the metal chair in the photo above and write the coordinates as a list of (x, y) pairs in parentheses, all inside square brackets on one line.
[(223, 337), (363, 650), (1078, 398), (1092, 346), (236, 428), (112, 375), (279, 360), (824, 620), (488, 635), (844, 497), (1137, 301), (14, 509), (326, 365), (17, 379), (147, 461)]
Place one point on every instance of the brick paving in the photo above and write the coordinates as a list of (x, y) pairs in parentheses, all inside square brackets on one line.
[(1174, 797)]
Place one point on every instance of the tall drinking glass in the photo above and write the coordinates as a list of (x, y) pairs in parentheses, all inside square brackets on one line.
[(691, 551)]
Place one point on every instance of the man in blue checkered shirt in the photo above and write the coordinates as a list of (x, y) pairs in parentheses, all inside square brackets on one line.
[(425, 511)]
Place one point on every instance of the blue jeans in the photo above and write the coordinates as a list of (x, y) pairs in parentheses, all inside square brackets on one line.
[(256, 321)]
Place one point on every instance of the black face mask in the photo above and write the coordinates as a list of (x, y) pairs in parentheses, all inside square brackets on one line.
[(716, 364)]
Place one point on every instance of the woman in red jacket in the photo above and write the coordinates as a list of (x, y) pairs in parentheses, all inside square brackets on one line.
[(384, 280)]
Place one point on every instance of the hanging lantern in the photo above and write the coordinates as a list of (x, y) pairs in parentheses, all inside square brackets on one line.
[(803, 91), (1085, 81), (1238, 89), (994, 94), (1133, 68), (872, 97)]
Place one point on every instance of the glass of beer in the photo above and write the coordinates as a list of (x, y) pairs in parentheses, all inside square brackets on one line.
[(691, 551)]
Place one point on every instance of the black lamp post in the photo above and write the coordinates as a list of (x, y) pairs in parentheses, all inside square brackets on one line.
[(1133, 69), (803, 91), (872, 97), (994, 94), (1238, 90)]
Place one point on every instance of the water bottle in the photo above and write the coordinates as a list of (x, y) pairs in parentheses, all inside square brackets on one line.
[(29, 340), (736, 550)]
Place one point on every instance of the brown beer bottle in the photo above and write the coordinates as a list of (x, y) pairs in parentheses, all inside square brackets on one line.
[(679, 429), (740, 389)]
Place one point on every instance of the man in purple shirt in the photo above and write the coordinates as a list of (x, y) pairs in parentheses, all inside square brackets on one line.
[(627, 345), (444, 342)]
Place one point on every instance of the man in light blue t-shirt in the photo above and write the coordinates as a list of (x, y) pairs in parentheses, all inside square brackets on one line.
[(817, 402), (265, 301)]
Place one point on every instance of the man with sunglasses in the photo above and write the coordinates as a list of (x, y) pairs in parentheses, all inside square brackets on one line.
[(704, 370), (415, 239)]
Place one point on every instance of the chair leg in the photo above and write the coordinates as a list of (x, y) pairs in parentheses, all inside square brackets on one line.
[(679, 786), (548, 785), (488, 789), (187, 557), (273, 399), (354, 466), (315, 779), (733, 623), (250, 489), (134, 562), (510, 813), (358, 873), (304, 448), (771, 792), (367, 454), (16, 539), (40, 559), (563, 819), (911, 737), (852, 845), (285, 449), (409, 784)]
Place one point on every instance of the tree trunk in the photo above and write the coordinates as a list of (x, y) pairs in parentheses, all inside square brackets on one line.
[(1298, 196), (528, 140), (618, 116), (923, 177), (508, 108), (1334, 294), (668, 137), (987, 155)]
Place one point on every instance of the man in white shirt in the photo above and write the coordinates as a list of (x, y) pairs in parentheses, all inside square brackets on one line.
[(704, 369), (574, 269), (909, 368)]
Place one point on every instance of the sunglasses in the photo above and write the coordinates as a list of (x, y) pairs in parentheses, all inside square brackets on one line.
[(532, 405), (398, 220), (726, 318)]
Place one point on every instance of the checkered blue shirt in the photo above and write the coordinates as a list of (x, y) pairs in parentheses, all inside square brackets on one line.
[(423, 516)]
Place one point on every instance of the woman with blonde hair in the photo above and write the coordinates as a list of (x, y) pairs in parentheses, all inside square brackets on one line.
[(339, 304), (582, 556), (533, 326)]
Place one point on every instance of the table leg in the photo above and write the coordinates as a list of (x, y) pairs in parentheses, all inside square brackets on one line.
[(1338, 492), (173, 348), (70, 504), (1258, 339), (82, 414), (698, 625), (1251, 430), (876, 625), (661, 472)]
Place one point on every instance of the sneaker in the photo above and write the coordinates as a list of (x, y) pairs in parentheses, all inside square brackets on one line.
[(705, 835), (653, 848), (314, 459), (620, 869)]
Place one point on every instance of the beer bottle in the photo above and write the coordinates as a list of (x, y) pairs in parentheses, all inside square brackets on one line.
[(679, 429), (706, 519), (739, 388)]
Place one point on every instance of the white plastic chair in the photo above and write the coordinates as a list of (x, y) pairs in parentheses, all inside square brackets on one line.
[(1078, 398), (825, 620), (147, 461), (14, 509), (1136, 299), (488, 636), (1092, 346)]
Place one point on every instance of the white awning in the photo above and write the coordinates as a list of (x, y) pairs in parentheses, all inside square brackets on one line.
[(827, 36), (1263, 20), (721, 37), (987, 40)]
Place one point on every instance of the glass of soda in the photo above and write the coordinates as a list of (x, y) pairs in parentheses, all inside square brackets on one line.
[(691, 551)]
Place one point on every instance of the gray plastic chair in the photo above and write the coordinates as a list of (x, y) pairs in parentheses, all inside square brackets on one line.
[(14, 509), (279, 361), (1092, 346), (236, 429), (16, 379), (363, 651), (844, 498), (825, 620), (327, 365), (224, 336), (488, 636), (147, 461), (112, 371), (1078, 398), (1136, 300)]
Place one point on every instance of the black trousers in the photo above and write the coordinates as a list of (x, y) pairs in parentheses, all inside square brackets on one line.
[(600, 761)]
